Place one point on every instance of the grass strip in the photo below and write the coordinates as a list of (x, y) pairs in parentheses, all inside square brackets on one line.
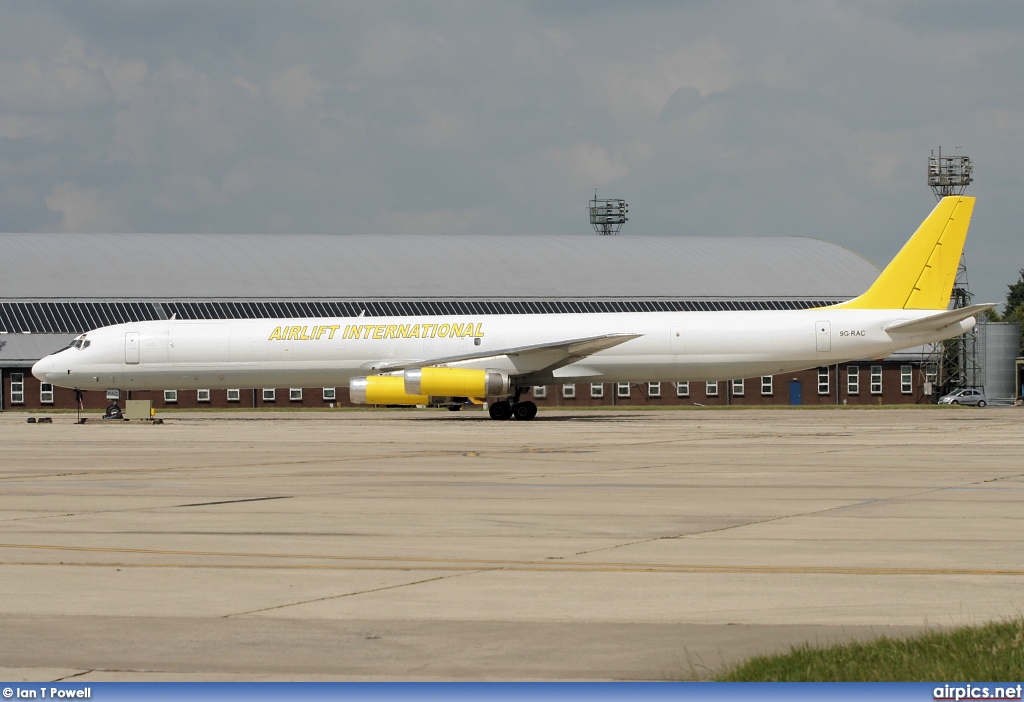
[(991, 652)]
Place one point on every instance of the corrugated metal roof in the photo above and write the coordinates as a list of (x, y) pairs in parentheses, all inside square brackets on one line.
[(26, 349), (247, 266)]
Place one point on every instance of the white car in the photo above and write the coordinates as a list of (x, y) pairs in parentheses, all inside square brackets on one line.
[(966, 396)]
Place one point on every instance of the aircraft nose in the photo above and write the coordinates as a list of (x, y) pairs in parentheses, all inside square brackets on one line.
[(42, 367)]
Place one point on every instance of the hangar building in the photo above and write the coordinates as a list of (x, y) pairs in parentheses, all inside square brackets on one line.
[(55, 286)]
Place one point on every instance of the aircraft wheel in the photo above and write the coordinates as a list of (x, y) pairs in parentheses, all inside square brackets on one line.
[(525, 410), (500, 410)]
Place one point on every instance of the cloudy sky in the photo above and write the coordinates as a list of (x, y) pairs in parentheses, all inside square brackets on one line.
[(711, 118)]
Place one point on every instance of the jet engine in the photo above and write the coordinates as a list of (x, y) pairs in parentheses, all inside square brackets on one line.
[(456, 382), (383, 390)]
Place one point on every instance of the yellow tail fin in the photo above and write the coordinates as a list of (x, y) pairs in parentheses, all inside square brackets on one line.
[(921, 275)]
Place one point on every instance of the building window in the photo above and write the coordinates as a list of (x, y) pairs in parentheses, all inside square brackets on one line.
[(17, 388), (654, 389), (711, 388), (170, 396), (823, 381), (622, 389), (269, 394), (876, 380), (766, 385), (45, 394), (569, 390), (295, 394), (540, 391), (597, 389), (906, 379), (202, 395), (683, 389), (853, 380), (737, 388), (234, 395), (330, 394)]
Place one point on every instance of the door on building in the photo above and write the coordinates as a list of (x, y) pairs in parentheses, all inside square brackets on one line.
[(823, 335), (131, 347), (796, 395)]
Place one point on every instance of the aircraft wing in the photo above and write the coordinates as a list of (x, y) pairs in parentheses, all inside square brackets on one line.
[(939, 320), (527, 359)]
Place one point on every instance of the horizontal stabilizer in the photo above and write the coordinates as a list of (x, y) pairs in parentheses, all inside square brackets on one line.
[(938, 321), (567, 351)]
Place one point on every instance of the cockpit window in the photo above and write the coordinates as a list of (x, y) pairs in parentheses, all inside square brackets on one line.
[(79, 342)]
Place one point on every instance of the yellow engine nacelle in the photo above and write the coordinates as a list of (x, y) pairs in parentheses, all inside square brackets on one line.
[(383, 390), (455, 382)]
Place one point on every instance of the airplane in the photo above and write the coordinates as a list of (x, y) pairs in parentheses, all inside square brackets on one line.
[(447, 360)]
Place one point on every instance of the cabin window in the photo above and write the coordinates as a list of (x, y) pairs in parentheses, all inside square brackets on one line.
[(45, 394), (234, 395), (654, 389), (569, 390), (597, 389), (737, 388), (269, 394), (622, 389), (540, 391), (766, 385), (876, 380), (711, 388), (170, 396), (853, 380), (202, 395), (823, 381), (330, 394), (295, 394), (683, 389), (17, 388), (906, 379)]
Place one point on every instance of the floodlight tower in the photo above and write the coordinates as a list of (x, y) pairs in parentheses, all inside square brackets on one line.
[(955, 361), (949, 175), (608, 216)]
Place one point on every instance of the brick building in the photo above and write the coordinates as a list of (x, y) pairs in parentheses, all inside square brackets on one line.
[(77, 282)]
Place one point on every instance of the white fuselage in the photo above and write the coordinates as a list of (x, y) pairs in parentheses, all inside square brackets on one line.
[(672, 346)]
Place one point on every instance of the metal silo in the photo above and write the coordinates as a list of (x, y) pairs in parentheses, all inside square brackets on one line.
[(998, 348)]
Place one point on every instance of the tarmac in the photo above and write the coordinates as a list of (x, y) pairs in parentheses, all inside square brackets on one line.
[(430, 545)]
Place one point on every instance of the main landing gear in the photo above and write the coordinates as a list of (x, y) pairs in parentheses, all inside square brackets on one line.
[(503, 409)]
